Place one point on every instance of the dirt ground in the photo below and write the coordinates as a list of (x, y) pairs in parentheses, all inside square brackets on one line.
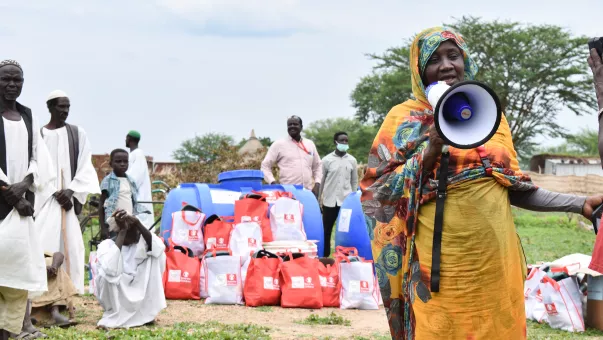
[(282, 322)]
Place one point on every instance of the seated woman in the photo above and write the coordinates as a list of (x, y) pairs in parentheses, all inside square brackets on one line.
[(472, 288), (59, 294), (130, 270)]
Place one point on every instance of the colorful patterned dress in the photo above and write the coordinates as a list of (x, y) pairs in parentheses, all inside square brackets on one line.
[(482, 265)]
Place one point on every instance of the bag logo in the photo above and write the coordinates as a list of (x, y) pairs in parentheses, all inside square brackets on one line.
[(252, 242), (231, 279), (221, 242), (551, 309), (193, 235), (289, 218), (539, 295), (327, 282), (174, 275), (300, 282), (271, 283), (364, 287), (185, 278)]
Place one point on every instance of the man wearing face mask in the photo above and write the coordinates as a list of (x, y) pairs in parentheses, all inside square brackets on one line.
[(340, 178)]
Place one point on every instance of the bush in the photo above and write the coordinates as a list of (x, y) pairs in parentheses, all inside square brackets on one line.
[(227, 159)]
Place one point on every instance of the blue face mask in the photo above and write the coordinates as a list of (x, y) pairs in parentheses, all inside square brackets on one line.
[(343, 147)]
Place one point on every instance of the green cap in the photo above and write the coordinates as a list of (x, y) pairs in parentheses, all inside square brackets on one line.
[(134, 133)]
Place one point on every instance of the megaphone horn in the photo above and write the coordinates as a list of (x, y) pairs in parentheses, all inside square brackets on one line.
[(466, 114)]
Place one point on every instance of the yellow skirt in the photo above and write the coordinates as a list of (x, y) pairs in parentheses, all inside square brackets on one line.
[(482, 270)]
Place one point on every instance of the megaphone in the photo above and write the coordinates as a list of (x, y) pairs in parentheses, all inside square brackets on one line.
[(466, 114)]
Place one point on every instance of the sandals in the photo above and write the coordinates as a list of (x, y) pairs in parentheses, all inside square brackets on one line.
[(34, 335), (38, 335), (65, 324)]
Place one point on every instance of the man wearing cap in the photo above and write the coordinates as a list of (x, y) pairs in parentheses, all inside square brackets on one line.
[(138, 170), (26, 183), (76, 178)]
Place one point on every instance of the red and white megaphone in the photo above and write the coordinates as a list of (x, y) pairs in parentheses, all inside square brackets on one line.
[(466, 114)]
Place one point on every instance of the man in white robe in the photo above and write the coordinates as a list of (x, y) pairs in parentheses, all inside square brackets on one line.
[(26, 183), (76, 178), (138, 170), (130, 274)]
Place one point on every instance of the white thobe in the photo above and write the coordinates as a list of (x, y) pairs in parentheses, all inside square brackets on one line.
[(130, 282), (84, 182), (138, 170), (22, 264)]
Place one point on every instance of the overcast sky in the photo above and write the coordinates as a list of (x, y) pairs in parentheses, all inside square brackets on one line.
[(175, 68)]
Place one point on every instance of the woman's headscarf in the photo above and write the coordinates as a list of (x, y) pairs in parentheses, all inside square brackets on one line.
[(427, 42), (393, 186)]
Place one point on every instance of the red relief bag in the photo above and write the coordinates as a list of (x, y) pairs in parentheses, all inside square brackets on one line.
[(330, 284), (181, 276), (254, 208), (217, 230), (262, 286), (300, 283)]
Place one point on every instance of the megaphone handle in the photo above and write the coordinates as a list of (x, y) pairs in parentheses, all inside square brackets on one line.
[(438, 223)]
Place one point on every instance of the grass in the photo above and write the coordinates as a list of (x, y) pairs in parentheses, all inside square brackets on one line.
[(330, 319), (265, 309), (209, 330), (547, 237)]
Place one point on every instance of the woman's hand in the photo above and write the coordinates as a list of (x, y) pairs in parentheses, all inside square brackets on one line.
[(590, 205), (434, 149)]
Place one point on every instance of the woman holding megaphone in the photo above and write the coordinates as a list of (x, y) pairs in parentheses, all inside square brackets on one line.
[(449, 261)]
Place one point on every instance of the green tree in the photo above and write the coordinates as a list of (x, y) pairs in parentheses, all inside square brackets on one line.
[(361, 136), (583, 143), (536, 71), (202, 148)]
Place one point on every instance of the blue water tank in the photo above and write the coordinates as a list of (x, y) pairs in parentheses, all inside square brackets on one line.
[(219, 199), (352, 230)]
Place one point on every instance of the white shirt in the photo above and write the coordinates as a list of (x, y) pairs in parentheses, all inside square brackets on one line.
[(138, 171), (16, 160), (124, 198), (340, 178)]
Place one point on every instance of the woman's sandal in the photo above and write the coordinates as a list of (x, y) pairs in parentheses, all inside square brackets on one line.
[(38, 335)]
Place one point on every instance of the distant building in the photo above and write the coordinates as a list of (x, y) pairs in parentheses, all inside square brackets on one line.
[(565, 165), (252, 146)]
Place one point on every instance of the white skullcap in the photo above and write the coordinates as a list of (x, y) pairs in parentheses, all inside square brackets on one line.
[(56, 94)]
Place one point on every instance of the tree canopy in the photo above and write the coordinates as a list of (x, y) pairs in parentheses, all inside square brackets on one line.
[(360, 135), (536, 71), (204, 148)]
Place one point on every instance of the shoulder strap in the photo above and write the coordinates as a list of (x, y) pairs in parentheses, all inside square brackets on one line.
[(73, 139), (439, 221), (42, 132)]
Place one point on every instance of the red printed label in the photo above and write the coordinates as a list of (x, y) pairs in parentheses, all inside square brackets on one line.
[(551, 309), (231, 279), (193, 235)]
